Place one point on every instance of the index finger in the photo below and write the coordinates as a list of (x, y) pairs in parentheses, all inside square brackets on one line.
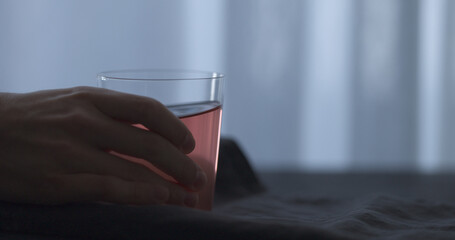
[(146, 111)]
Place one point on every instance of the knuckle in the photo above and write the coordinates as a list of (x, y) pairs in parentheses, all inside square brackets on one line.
[(83, 89), (82, 92), (78, 115), (78, 119)]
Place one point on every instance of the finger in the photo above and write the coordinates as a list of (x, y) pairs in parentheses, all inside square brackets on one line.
[(146, 111), (146, 145), (91, 187), (98, 162), (103, 163)]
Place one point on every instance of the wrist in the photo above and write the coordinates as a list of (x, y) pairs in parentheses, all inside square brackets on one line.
[(4, 100), (3, 97), (4, 106)]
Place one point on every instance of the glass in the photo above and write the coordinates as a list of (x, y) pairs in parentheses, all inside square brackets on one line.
[(195, 97)]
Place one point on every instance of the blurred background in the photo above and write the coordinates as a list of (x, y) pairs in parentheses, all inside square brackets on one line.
[(312, 85)]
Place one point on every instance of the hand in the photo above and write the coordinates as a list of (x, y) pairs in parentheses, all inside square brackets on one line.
[(54, 148)]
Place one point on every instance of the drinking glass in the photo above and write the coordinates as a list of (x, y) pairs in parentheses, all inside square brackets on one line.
[(195, 97)]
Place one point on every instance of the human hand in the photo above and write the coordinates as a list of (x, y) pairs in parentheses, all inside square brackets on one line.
[(54, 149)]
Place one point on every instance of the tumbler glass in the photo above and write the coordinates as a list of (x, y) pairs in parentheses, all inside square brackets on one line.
[(195, 97)]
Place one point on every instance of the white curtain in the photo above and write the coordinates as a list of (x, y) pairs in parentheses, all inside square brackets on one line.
[(312, 85)]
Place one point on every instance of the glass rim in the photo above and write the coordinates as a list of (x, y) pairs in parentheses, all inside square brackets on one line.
[(192, 75)]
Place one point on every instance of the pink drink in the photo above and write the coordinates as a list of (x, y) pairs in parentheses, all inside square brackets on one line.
[(204, 122), (197, 98)]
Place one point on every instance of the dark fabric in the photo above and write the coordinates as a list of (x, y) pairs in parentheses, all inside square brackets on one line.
[(98, 221), (373, 217), (235, 178), (294, 206)]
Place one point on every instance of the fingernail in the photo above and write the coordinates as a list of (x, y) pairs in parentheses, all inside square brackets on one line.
[(201, 180), (160, 194), (188, 144), (191, 199)]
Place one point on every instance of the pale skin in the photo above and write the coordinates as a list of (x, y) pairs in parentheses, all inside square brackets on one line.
[(54, 149)]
